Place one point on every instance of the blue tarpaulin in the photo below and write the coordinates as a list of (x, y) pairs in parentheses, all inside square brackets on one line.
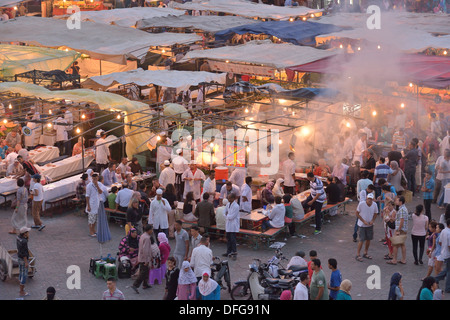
[(297, 32)]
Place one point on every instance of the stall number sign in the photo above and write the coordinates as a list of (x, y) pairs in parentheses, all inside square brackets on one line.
[(241, 68)]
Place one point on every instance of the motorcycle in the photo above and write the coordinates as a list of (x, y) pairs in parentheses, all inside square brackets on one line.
[(220, 269), (260, 285), (276, 268)]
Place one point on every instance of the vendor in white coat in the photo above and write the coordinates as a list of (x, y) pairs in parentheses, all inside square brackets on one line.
[(158, 213), (180, 165), (93, 197), (167, 175), (246, 196), (61, 133), (164, 152), (193, 178), (232, 224), (210, 186)]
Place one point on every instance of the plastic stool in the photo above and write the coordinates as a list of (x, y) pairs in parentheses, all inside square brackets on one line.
[(155, 274), (99, 269), (110, 271)]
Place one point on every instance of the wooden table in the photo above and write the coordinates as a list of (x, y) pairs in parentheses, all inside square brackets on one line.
[(253, 220)]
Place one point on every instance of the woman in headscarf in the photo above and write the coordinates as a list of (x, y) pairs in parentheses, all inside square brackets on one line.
[(286, 295), (395, 178), (155, 270), (396, 289), (208, 289), (344, 291), (129, 247), (267, 194), (164, 249), (187, 283), (172, 275), (278, 188)]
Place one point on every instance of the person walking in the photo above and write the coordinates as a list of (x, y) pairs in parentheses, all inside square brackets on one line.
[(366, 213), (335, 279), (181, 250), (19, 217), (145, 258), (37, 191), (232, 225), (202, 257), (444, 240), (23, 257), (429, 285), (427, 193), (418, 233), (159, 213), (172, 275)]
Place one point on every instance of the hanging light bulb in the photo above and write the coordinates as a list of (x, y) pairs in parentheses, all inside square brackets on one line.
[(402, 105), (78, 130), (359, 48), (49, 125), (291, 19), (304, 18), (5, 121), (119, 116), (347, 124), (158, 138), (83, 116), (341, 46), (248, 149), (163, 51), (246, 110), (312, 15), (280, 141), (50, 111), (379, 47), (410, 84), (445, 52), (10, 106), (374, 113)]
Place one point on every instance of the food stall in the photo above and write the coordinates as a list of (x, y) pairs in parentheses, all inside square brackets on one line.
[(60, 7)]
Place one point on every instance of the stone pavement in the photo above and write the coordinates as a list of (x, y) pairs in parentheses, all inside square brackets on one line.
[(65, 242)]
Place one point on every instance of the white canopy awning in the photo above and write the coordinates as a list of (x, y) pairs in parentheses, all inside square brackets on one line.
[(404, 31), (10, 3), (181, 80), (205, 23), (248, 9), (99, 41), (125, 17), (17, 59), (266, 53)]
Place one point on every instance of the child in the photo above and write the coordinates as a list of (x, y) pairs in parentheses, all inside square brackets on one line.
[(112, 197), (335, 280), (389, 216), (427, 189), (431, 247)]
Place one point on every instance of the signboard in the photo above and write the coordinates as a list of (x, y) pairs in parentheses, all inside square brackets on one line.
[(241, 68)]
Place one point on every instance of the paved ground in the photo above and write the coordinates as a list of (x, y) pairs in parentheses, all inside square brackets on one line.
[(65, 242)]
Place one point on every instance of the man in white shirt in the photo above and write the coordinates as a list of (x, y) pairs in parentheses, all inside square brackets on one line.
[(366, 213), (209, 186), (124, 167), (14, 168), (298, 260), (360, 146), (201, 258), (163, 152), (180, 165), (301, 290), (238, 176), (276, 216), (102, 153), (123, 198), (232, 225), (37, 191), (289, 174), (246, 196), (159, 213), (93, 198), (192, 178), (109, 175), (167, 176), (227, 189)]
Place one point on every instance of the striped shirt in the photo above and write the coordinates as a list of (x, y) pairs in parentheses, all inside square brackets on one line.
[(116, 295), (317, 188), (382, 171)]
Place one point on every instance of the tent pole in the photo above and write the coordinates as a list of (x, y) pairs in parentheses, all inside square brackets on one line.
[(100, 66)]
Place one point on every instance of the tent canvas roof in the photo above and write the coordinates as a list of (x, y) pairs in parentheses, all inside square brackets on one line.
[(126, 17), (181, 80), (297, 32), (18, 59), (248, 9), (100, 41), (205, 23), (267, 53)]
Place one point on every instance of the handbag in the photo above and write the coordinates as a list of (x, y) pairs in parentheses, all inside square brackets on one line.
[(398, 240), (390, 224)]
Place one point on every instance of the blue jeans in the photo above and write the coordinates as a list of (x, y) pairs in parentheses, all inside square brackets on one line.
[(23, 272), (440, 201), (355, 230), (445, 274)]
